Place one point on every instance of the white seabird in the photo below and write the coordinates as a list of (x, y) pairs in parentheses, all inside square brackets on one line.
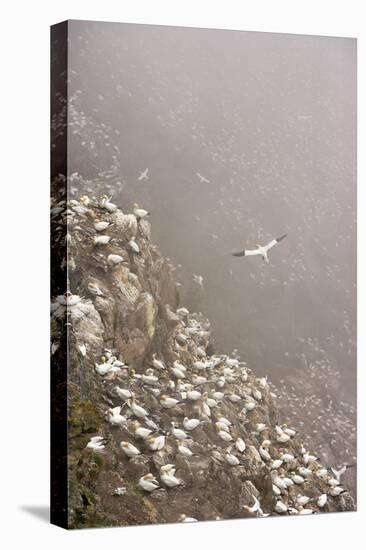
[(338, 473), (143, 175), (191, 423), (140, 213), (202, 178), (260, 250), (322, 500), (129, 449), (148, 483), (198, 279), (114, 259), (186, 519), (96, 443), (101, 226)]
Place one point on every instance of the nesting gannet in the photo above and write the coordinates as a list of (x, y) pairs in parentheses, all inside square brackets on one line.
[(192, 394), (256, 507), (143, 175), (134, 246), (298, 479), (156, 443), (231, 459), (96, 443), (308, 458), (287, 457), (167, 476), (94, 289), (100, 240), (322, 500), (148, 483), (186, 519), (178, 370), (101, 226), (115, 417), (234, 398), (302, 500), (68, 299), (225, 436), (137, 410), (280, 507), (305, 472), (261, 427), (336, 491), (191, 423), (333, 482), (149, 378), (260, 250), (114, 259), (264, 453), (103, 368), (240, 444), (123, 393), (129, 449), (82, 349), (140, 213), (105, 203), (276, 464), (140, 431), (168, 402), (284, 438), (178, 433), (183, 450), (157, 363)]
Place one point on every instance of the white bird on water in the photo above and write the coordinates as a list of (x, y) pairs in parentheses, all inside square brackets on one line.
[(260, 250)]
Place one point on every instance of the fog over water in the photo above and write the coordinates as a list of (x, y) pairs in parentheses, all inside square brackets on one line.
[(269, 121)]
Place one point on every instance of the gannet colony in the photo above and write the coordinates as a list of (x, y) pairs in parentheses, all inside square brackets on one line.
[(162, 427)]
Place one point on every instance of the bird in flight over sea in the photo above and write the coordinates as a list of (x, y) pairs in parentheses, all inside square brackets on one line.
[(143, 175), (260, 250), (202, 178)]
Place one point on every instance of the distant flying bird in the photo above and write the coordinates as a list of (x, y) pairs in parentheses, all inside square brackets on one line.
[(143, 175), (260, 250), (198, 279), (202, 178)]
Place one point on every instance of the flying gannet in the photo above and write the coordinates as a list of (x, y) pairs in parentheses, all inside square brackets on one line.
[(202, 178), (198, 279), (143, 175), (260, 250)]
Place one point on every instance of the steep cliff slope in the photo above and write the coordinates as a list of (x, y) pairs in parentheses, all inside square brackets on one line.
[(145, 379)]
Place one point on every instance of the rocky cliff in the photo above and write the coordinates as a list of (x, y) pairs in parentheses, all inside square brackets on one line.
[(161, 426)]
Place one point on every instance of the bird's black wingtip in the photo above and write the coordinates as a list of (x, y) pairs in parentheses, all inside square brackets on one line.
[(281, 238), (238, 254)]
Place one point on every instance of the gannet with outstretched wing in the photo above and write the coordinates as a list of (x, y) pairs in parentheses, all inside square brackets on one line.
[(260, 250), (143, 175)]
